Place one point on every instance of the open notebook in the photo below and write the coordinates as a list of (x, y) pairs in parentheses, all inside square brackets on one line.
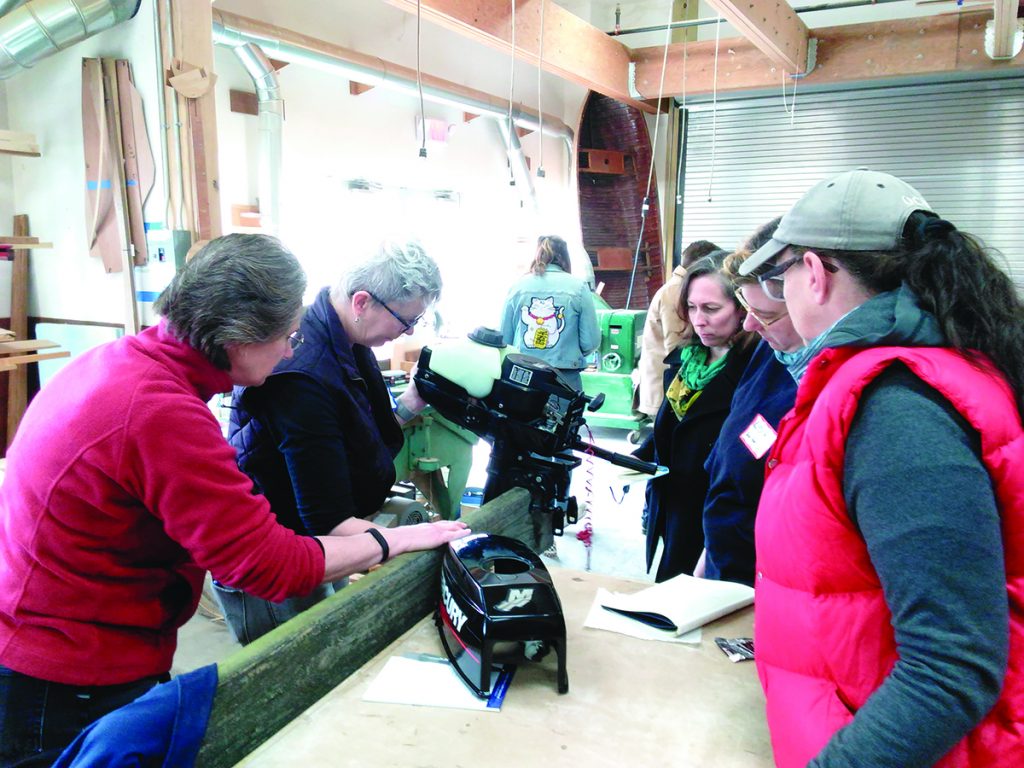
[(680, 604)]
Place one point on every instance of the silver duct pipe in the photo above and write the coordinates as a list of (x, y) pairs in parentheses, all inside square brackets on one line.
[(271, 114), (363, 73), (39, 28), (517, 162), (6, 6)]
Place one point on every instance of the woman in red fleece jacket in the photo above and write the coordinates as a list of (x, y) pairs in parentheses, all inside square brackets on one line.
[(121, 492)]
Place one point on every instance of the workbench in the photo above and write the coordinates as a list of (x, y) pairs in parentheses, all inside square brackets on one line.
[(293, 697), (630, 702)]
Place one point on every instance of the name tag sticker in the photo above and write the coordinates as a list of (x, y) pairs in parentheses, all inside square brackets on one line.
[(758, 437)]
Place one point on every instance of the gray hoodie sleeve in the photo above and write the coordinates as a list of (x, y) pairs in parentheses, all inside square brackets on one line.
[(921, 497)]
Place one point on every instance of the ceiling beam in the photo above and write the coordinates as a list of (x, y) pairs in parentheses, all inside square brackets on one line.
[(1005, 23), (857, 52), (386, 69), (772, 26), (573, 49)]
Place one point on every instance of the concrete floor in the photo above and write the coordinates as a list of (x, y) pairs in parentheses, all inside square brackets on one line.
[(617, 543)]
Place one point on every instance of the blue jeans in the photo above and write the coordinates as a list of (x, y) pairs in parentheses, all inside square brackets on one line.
[(250, 617), (38, 719)]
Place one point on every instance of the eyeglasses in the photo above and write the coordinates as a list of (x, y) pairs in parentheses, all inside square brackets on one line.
[(407, 325), (764, 321), (772, 281), (295, 340)]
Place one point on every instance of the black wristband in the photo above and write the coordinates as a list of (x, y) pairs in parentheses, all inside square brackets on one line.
[(384, 548)]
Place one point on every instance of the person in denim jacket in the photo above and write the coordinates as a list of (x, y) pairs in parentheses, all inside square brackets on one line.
[(549, 314)]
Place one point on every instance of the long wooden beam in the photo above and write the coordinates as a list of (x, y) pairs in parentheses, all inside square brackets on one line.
[(573, 49), (772, 26), (269, 683), (386, 68), (852, 53)]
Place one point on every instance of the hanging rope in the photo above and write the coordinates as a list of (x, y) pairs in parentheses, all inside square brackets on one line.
[(511, 91), (540, 108), (646, 205), (790, 108), (682, 112), (419, 83), (714, 106)]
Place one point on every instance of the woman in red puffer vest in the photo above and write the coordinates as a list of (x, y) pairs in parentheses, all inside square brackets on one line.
[(890, 536)]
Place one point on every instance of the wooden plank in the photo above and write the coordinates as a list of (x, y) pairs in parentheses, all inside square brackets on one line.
[(101, 226), (23, 243), (263, 29), (358, 89), (18, 143), (773, 27), (243, 102), (27, 359), (193, 25), (25, 345), (127, 95), (113, 114), (17, 391), (269, 683), (853, 53), (573, 49)]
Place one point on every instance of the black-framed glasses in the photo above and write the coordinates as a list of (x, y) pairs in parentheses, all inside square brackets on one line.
[(764, 321), (772, 281), (295, 340), (407, 325)]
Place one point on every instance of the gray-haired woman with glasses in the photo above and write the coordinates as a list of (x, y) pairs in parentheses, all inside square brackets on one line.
[(121, 493), (320, 436)]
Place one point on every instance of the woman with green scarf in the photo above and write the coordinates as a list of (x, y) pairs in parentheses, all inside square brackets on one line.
[(691, 417)]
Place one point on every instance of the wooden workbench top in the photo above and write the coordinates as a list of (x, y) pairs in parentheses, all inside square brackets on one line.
[(630, 703)]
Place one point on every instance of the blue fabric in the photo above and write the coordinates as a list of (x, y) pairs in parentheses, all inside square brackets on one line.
[(39, 718), (319, 438), (163, 728), (562, 325), (736, 477)]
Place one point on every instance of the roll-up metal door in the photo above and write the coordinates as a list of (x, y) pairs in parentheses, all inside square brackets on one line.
[(961, 144)]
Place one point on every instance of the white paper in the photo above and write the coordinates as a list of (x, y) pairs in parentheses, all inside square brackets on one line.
[(685, 601), (424, 683), (600, 618)]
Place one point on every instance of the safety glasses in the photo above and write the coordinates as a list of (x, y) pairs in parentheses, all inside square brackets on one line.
[(407, 325), (773, 281), (761, 317)]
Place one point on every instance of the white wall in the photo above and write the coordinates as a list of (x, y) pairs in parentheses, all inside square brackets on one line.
[(66, 282), (483, 242)]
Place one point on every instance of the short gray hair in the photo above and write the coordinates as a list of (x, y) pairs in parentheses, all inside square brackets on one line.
[(396, 272), (238, 289)]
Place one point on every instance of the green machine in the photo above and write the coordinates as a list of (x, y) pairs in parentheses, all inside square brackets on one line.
[(617, 358)]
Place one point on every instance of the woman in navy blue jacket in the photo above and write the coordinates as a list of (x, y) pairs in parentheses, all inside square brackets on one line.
[(763, 396)]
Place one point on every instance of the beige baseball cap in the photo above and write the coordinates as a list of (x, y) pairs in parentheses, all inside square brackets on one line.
[(859, 210)]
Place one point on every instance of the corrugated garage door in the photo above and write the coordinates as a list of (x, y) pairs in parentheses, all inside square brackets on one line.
[(960, 144)]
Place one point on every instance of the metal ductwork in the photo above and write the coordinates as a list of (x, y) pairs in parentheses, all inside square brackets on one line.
[(517, 162), (38, 28), (227, 35), (271, 115)]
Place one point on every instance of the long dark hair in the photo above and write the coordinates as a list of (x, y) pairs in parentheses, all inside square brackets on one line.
[(712, 265), (956, 279), (550, 250)]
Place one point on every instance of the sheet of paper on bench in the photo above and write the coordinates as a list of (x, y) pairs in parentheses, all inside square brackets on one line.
[(601, 618), (682, 603), (425, 683)]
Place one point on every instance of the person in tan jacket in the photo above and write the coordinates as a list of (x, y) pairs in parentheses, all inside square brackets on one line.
[(665, 331)]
